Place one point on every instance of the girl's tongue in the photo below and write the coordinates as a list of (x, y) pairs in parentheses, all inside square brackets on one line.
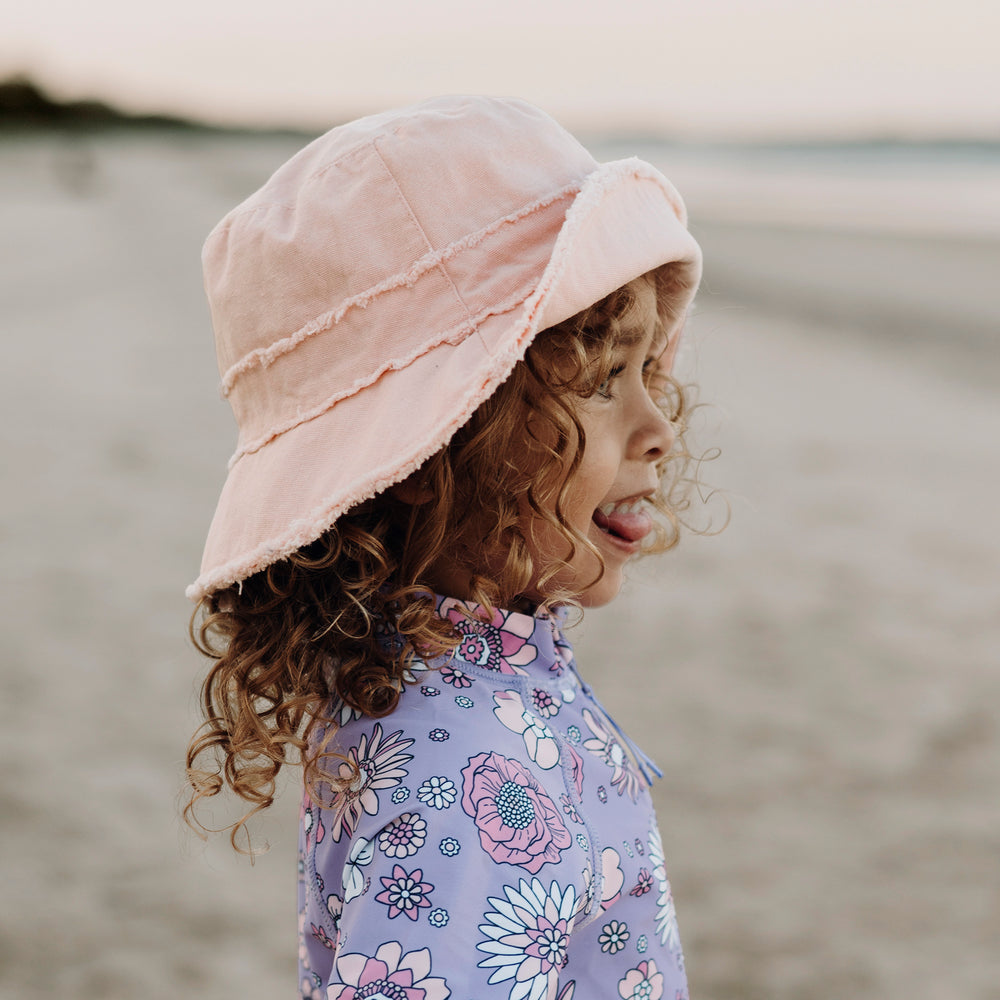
[(633, 527)]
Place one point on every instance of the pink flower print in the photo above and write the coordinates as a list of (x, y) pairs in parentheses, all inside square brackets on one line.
[(518, 823), (644, 884), (404, 836), (577, 761), (389, 974), (624, 776), (500, 644), (539, 742), (527, 937), (544, 704), (320, 935), (455, 677), (404, 892), (612, 877), (642, 983), (569, 808), (375, 763)]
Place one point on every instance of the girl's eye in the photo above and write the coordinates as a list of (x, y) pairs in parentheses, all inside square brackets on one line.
[(605, 388)]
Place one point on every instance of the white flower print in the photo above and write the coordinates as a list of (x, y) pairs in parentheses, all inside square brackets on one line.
[(438, 792), (539, 740), (666, 912), (362, 852), (375, 763), (404, 836), (389, 975), (527, 937), (624, 776)]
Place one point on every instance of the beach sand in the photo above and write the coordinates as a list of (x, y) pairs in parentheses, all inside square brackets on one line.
[(824, 675)]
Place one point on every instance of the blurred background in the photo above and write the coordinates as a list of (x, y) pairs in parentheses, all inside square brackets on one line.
[(819, 681)]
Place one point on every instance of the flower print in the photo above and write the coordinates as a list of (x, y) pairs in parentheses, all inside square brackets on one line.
[(404, 836), (389, 974), (624, 776), (602, 793), (612, 877), (538, 739), (375, 763), (642, 983), (344, 713), (500, 644), (577, 762), (335, 907), (614, 934), (439, 735), (583, 842), (438, 917), (429, 692), (573, 734), (569, 808), (517, 821), (449, 847), (628, 849), (401, 794), (527, 936), (644, 884), (455, 677), (666, 912), (438, 792), (641, 944), (567, 991), (413, 669), (463, 701), (361, 854), (312, 824), (404, 892), (543, 703), (311, 987), (638, 846), (319, 933)]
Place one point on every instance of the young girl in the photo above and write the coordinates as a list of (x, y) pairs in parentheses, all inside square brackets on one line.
[(446, 333)]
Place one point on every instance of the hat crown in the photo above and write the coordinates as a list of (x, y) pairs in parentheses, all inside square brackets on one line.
[(367, 201)]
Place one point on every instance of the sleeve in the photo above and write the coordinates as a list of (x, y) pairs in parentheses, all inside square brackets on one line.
[(447, 869)]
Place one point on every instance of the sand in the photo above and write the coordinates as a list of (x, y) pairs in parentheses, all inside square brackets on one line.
[(819, 682)]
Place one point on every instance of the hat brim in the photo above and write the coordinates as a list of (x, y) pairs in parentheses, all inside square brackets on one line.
[(626, 220)]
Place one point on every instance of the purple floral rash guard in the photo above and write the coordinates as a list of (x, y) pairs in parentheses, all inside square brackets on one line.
[(498, 841)]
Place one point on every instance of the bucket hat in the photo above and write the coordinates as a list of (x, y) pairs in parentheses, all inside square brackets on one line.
[(382, 284)]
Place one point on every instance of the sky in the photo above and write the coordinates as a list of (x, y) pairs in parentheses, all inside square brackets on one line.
[(713, 69)]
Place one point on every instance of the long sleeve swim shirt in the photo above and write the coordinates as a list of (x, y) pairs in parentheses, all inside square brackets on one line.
[(496, 838)]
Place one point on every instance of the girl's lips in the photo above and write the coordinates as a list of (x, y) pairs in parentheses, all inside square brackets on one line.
[(629, 526)]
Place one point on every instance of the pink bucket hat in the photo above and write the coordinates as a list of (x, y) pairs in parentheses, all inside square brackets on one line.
[(382, 284)]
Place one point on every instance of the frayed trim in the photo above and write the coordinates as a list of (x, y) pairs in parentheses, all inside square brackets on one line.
[(455, 335), (307, 529), (262, 357)]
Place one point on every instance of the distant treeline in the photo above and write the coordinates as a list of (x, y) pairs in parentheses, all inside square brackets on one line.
[(24, 104)]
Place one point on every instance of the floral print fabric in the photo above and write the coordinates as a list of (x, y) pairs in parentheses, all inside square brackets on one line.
[(495, 838)]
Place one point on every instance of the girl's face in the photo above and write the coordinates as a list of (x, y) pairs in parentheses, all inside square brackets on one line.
[(626, 435)]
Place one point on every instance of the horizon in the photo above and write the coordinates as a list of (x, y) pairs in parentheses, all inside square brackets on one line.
[(778, 70)]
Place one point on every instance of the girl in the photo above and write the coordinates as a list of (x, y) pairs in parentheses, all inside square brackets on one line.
[(446, 333)]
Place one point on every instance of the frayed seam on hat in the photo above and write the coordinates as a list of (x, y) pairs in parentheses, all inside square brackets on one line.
[(453, 335), (266, 356)]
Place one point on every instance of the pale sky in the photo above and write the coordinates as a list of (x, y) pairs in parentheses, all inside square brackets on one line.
[(700, 68)]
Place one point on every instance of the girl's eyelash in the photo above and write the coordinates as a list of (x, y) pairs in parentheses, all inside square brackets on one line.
[(604, 389)]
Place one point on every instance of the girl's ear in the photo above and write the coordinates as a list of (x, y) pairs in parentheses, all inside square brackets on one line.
[(412, 491)]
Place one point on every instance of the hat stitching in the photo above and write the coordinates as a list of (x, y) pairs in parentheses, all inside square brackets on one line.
[(263, 357), (453, 335)]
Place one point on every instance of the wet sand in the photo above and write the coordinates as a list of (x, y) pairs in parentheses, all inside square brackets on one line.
[(819, 682)]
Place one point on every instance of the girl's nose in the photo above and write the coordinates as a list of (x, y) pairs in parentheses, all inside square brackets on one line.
[(655, 435)]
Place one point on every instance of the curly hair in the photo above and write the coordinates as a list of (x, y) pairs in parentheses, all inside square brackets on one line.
[(309, 635)]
